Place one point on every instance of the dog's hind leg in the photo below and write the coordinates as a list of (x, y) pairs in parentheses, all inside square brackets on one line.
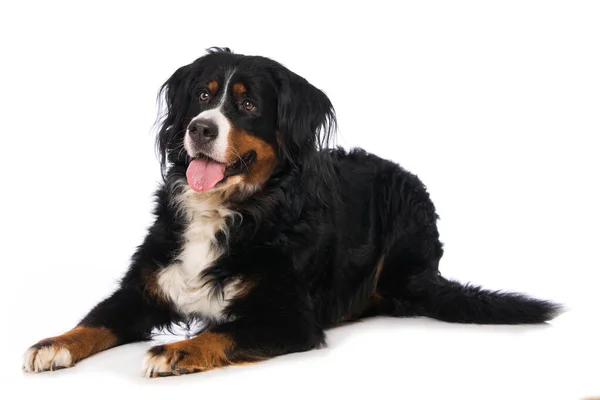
[(397, 285), (411, 285)]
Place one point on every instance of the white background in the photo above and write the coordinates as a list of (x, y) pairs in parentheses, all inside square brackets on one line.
[(495, 105)]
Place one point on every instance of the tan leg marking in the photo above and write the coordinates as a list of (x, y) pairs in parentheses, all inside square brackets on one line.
[(375, 298), (65, 350), (206, 351)]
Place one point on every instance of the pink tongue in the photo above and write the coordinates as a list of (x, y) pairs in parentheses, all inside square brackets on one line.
[(203, 175)]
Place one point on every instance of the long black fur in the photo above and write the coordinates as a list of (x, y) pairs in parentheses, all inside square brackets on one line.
[(332, 236)]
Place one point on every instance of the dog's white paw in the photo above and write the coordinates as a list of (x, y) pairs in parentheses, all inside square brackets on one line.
[(154, 365), (39, 358), (171, 359)]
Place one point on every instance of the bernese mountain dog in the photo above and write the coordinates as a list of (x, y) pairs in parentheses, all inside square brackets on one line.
[(268, 235)]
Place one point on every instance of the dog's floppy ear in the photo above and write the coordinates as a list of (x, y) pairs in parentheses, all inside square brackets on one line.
[(306, 118), (172, 92)]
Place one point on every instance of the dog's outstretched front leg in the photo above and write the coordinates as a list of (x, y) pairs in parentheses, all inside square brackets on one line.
[(231, 344), (126, 316), (271, 316)]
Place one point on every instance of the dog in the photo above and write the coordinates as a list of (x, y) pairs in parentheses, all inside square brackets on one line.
[(268, 235)]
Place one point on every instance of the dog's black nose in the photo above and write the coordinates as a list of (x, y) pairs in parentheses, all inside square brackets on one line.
[(203, 131)]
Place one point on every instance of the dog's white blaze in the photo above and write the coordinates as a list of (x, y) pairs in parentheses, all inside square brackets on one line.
[(182, 281), (46, 358), (223, 125), (225, 89)]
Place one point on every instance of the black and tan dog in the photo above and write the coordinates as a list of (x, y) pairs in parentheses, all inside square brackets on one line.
[(268, 237)]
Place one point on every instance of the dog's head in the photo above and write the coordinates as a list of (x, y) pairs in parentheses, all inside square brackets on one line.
[(233, 120)]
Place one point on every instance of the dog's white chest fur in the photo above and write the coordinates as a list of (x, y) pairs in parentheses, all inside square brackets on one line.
[(181, 281)]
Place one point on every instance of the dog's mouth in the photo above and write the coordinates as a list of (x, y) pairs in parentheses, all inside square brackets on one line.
[(205, 173)]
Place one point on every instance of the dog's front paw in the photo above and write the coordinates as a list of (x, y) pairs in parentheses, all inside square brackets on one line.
[(46, 356), (65, 350), (168, 360), (206, 351)]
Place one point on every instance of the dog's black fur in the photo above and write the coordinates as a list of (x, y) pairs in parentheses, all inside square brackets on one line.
[(330, 236)]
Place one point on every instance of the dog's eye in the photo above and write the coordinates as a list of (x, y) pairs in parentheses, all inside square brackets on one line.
[(204, 95), (248, 105)]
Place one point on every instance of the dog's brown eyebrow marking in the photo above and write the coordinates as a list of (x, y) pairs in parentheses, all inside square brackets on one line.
[(213, 86), (239, 89)]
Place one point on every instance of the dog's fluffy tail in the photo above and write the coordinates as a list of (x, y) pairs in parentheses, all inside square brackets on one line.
[(454, 302)]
